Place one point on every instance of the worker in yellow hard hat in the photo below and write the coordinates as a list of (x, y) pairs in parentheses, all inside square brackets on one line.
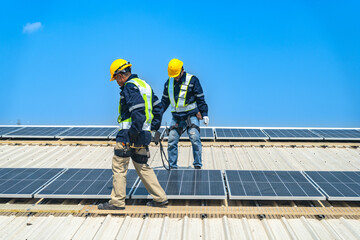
[(140, 112), (184, 94)]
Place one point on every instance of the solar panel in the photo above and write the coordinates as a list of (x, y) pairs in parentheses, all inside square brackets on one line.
[(291, 134), (85, 183), (337, 185), (88, 132), (24, 182), (113, 135), (270, 185), (37, 132), (239, 134), (205, 134), (5, 130), (337, 134), (187, 184)]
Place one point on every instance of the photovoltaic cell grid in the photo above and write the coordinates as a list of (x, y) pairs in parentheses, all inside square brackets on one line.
[(187, 184), (239, 134), (270, 185), (5, 130), (113, 135), (338, 134), (24, 182), (205, 134), (337, 186), (37, 132), (85, 184), (291, 134), (88, 132)]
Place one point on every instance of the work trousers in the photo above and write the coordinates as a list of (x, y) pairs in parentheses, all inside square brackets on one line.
[(145, 172), (195, 140)]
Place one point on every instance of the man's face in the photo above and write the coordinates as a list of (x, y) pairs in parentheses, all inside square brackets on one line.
[(180, 75), (120, 79)]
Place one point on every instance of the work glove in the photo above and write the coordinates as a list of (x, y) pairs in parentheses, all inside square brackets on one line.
[(133, 135), (206, 120), (155, 137)]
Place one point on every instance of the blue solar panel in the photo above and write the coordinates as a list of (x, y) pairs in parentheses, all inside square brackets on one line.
[(205, 134), (291, 134), (85, 184), (88, 132), (337, 185), (270, 185), (6, 130), (24, 182), (337, 134), (37, 132), (239, 134), (113, 135), (187, 184)]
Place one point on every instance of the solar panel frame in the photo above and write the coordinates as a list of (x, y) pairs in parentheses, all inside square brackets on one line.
[(80, 130), (171, 185), (37, 132), (334, 188), (13, 178), (338, 134), (240, 134), (291, 134), (7, 129), (259, 188), (59, 188)]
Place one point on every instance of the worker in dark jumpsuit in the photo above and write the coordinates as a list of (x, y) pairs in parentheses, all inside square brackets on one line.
[(184, 94), (139, 113)]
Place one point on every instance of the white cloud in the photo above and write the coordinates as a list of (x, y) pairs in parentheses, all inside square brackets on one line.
[(32, 27)]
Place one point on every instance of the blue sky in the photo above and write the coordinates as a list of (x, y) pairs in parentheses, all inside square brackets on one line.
[(278, 63)]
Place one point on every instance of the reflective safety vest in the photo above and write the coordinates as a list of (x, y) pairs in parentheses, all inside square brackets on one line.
[(180, 105), (146, 93)]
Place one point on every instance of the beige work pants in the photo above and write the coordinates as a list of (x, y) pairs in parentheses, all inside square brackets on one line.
[(145, 172)]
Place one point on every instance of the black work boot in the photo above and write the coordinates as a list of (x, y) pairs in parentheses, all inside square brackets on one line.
[(153, 203), (108, 206), (197, 167)]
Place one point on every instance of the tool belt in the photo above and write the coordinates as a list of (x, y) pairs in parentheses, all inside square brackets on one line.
[(138, 154)]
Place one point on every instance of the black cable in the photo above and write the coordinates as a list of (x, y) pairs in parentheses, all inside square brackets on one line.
[(163, 156)]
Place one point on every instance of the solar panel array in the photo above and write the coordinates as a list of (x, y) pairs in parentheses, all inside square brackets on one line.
[(338, 134), (270, 185), (24, 182), (88, 132), (291, 134), (187, 184), (85, 184), (182, 184), (337, 185), (240, 134), (5, 130), (206, 133), (37, 132)]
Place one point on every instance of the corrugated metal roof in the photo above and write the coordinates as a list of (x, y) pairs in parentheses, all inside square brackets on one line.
[(114, 227), (215, 156)]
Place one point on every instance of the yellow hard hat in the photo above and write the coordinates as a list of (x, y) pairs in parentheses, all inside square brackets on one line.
[(174, 68), (117, 66)]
